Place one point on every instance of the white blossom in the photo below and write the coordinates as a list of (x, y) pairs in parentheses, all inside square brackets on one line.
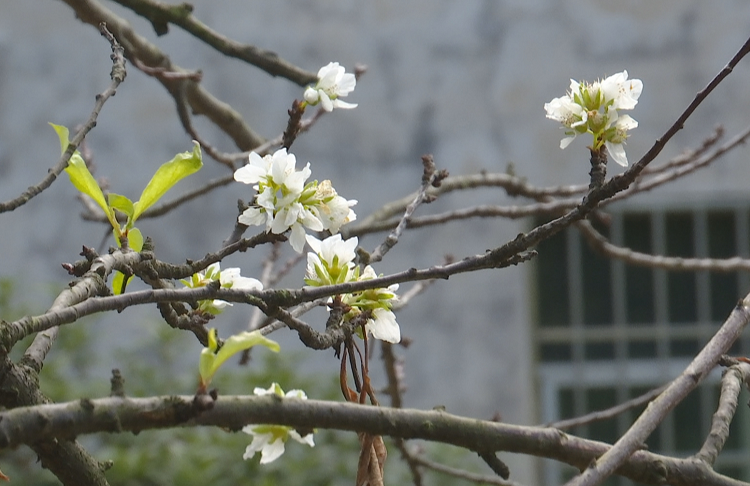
[(331, 260), (383, 326), (382, 322), (284, 202), (228, 278), (616, 141), (269, 439), (623, 92), (594, 108), (333, 211), (333, 83)]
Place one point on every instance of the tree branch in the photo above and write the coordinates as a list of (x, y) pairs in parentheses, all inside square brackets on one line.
[(600, 244), (609, 412), (201, 101), (677, 390), (117, 75), (115, 414), (431, 177), (731, 385), (161, 15)]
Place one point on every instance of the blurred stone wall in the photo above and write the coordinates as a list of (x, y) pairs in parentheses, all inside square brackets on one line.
[(463, 80)]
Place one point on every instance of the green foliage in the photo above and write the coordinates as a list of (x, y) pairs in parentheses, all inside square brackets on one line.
[(211, 359), (80, 176), (169, 174), (166, 176)]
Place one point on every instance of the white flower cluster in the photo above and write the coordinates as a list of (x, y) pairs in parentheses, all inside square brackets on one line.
[(332, 263), (333, 83), (594, 108), (284, 201), (229, 278), (269, 439)]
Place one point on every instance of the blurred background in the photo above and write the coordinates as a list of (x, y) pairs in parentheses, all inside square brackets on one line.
[(465, 81)]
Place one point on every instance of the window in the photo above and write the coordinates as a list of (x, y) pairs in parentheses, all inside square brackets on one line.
[(607, 331)]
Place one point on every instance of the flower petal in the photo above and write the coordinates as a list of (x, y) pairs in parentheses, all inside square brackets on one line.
[(383, 326), (617, 153), (297, 238), (272, 451)]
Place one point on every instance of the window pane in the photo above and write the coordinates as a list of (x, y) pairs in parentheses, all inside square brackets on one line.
[(555, 352), (552, 281), (722, 244), (597, 285), (599, 351), (642, 349), (567, 405), (681, 285), (639, 281), (685, 348), (689, 422), (600, 399)]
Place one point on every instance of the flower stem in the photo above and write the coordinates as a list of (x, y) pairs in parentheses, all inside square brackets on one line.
[(598, 167)]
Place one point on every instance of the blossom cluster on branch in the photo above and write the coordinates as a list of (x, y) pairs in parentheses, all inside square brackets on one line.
[(594, 108), (340, 277)]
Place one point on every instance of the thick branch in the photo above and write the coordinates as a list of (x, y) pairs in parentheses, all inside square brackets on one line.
[(677, 390), (66, 459), (115, 414)]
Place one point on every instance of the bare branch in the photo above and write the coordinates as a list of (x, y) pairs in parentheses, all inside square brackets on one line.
[(599, 243), (136, 46), (161, 15), (460, 473), (430, 178), (677, 390), (608, 413), (731, 385), (118, 76), (115, 414)]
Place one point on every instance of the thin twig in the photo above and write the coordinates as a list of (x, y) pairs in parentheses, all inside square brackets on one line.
[(183, 114), (430, 178), (608, 413), (136, 46), (42, 343), (462, 474), (683, 169), (688, 155), (600, 244), (118, 76)]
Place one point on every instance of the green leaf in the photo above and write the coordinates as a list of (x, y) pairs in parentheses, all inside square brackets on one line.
[(117, 282), (63, 134), (135, 239), (211, 361), (181, 166), (81, 177), (121, 203)]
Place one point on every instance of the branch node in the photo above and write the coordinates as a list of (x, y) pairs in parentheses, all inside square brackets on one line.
[(117, 382)]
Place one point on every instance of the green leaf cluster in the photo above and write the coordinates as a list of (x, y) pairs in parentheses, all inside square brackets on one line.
[(169, 174)]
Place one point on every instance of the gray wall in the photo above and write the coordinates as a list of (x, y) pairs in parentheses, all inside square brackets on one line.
[(464, 80)]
